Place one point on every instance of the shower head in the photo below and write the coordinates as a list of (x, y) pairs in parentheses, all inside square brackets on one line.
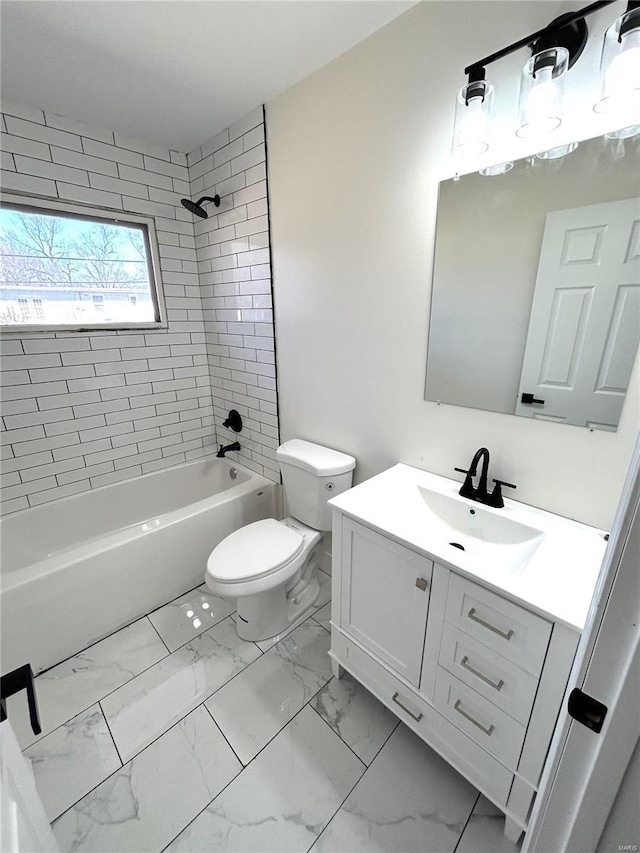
[(196, 206)]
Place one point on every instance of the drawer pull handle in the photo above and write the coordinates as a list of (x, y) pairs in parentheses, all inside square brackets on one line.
[(472, 615), (488, 731), (496, 686), (395, 699), (421, 584)]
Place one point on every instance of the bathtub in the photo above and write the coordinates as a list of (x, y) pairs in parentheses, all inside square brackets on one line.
[(75, 570)]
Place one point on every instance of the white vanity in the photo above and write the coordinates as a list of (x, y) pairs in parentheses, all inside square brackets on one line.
[(464, 620)]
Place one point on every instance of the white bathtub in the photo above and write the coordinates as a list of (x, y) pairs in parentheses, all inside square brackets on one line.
[(75, 570)]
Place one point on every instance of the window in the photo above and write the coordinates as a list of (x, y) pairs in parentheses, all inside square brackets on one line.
[(69, 267)]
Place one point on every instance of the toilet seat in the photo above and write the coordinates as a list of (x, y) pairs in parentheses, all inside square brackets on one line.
[(254, 551)]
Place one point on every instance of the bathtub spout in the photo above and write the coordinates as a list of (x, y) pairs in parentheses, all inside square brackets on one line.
[(223, 450)]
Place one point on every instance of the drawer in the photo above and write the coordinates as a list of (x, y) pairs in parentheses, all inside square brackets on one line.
[(497, 679), (490, 727), (505, 627), (463, 753)]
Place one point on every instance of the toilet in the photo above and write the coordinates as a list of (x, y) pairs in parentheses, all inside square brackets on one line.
[(270, 566)]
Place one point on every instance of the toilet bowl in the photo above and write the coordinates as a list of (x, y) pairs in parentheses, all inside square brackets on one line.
[(270, 566)]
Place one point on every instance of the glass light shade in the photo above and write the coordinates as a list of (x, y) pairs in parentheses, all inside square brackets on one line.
[(542, 91), (624, 132), (471, 125), (498, 169), (557, 152), (620, 68)]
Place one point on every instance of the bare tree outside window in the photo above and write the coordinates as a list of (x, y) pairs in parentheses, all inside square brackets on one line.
[(60, 270)]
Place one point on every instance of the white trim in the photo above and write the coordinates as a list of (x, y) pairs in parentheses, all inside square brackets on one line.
[(584, 770), (147, 223)]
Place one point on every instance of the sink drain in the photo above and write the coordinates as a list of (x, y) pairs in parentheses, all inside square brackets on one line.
[(457, 545)]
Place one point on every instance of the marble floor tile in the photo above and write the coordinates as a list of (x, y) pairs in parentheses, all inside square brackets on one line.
[(409, 799), (325, 589), (84, 679), (145, 707), (283, 799), (189, 616), (72, 760), (253, 707), (323, 616), (151, 799), (356, 715), (484, 833), (323, 597)]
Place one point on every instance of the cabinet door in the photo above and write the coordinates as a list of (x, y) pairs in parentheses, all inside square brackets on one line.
[(385, 597)]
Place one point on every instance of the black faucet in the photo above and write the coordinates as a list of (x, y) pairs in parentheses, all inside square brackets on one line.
[(479, 493), (223, 449)]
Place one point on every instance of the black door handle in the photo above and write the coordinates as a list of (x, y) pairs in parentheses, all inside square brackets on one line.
[(13, 682), (528, 399)]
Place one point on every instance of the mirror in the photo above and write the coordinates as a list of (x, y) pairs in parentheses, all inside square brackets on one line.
[(535, 306)]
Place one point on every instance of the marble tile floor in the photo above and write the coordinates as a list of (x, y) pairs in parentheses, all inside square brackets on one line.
[(174, 735)]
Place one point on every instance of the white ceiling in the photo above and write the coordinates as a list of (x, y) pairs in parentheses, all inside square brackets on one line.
[(173, 72)]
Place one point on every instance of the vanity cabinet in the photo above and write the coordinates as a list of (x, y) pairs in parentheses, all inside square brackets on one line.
[(478, 676), (386, 598)]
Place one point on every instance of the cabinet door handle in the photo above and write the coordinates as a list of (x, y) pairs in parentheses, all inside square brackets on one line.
[(421, 584), (472, 615), (496, 686), (395, 699), (488, 731)]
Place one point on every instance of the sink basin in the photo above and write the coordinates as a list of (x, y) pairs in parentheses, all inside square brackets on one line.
[(490, 535)]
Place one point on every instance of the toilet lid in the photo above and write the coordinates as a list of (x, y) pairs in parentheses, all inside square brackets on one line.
[(254, 551)]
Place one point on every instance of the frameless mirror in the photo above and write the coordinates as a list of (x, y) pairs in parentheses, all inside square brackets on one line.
[(535, 306)]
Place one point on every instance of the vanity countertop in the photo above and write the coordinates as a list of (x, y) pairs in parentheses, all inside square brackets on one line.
[(557, 580)]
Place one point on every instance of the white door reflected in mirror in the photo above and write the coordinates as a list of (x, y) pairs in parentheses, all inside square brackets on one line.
[(585, 317), (489, 242)]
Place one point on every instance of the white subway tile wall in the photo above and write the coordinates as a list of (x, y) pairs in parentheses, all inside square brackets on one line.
[(233, 258), (81, 410)]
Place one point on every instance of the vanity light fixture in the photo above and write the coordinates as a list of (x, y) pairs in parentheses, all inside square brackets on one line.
[(555, 49)]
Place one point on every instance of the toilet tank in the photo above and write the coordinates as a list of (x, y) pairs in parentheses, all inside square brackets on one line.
[(311, 475)]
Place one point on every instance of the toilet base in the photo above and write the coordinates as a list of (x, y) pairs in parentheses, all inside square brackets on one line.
[(269, 613)]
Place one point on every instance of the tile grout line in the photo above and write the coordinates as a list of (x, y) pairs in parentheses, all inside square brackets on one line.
[(164, 657), (315, 710), (133, 757), (245, 766), (113, 633), (466, 823), (112, 738), (242, 764), (205, 699), (169, 652), (367, 767)]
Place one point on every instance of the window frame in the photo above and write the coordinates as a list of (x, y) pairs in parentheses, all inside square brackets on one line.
[(33, 204)]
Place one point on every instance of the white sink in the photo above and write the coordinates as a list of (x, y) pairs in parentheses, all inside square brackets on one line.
[(480, 533), (544, 560)]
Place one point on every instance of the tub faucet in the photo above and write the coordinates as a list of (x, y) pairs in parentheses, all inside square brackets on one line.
[(479, 493), (223, 450)]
